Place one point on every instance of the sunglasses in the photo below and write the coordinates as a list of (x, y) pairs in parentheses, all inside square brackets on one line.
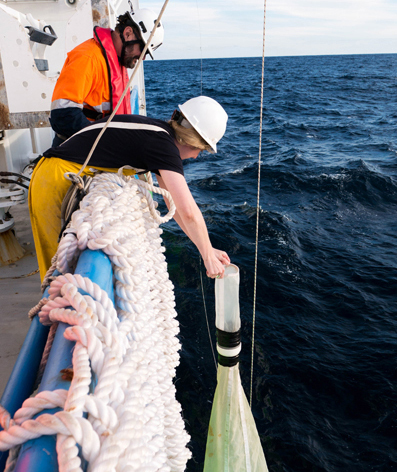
[(180, 119), (139, 42)]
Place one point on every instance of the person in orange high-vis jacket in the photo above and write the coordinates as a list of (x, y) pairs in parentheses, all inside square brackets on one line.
[(94, 75)]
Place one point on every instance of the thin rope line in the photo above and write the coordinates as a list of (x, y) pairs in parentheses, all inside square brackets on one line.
[(201, 51), (257, 205), (201, 275), (125, 90), (201, 86), (206, 318)]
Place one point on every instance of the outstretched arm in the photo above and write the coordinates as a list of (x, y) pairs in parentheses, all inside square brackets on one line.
[(189, 218)]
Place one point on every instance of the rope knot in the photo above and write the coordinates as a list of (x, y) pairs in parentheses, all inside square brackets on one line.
[(75, 179)]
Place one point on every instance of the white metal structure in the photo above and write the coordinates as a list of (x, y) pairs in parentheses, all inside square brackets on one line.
[(29, 70)]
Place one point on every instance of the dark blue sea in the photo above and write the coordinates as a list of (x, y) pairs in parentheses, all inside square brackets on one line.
[(325, 370)]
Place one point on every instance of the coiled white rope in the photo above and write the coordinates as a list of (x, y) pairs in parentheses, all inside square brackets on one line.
[(134, 422)]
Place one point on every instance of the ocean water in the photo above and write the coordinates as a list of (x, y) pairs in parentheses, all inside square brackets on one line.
[(325, 371)]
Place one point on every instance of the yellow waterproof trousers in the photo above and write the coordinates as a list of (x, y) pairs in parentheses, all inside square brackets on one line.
[(47, 190)]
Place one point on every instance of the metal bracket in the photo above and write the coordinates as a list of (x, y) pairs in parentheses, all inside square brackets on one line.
[(41, 64), (42, 37)]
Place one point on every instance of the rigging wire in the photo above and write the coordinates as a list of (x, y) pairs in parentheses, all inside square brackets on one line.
[(141, 58), (201, 51), (201, 275), (206, 317), (257, 204)]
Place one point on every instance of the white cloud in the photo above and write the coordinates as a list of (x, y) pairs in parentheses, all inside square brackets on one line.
[(338, 27), (220, 28), (336, 10)]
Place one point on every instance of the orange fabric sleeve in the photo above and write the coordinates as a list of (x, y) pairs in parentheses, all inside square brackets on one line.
[(84, 76)]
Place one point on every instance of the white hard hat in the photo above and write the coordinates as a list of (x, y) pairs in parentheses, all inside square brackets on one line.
[(207, 117), (145, 19)]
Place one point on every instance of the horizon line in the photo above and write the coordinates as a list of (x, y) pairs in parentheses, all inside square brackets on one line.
[(291, 55)]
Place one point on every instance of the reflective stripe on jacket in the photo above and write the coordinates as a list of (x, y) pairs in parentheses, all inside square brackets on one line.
[(86, 75)]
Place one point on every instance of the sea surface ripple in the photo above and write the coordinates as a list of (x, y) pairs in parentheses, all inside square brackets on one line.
[(325, 375)]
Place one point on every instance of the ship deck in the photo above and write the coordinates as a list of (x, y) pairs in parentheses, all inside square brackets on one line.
[(19, 292)]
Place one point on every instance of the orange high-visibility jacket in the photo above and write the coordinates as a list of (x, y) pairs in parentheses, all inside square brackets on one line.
[(83, 88)]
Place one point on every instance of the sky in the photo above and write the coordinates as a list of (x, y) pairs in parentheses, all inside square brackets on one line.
[(234, 28)]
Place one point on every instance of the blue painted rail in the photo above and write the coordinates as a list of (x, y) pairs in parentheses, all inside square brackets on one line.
[(39, 455), (23, 376)]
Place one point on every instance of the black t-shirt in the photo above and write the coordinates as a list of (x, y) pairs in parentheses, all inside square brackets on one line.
[(138, 141)]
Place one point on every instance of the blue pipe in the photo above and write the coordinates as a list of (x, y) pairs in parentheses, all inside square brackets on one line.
[(39, 455), (134, 100), (23, 376)]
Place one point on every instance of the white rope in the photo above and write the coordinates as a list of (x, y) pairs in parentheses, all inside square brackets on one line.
[(134, 422), (258, 207), (5, 418)]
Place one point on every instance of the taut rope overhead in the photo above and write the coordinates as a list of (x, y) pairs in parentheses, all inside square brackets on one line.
[(257, 203), (77, 179)]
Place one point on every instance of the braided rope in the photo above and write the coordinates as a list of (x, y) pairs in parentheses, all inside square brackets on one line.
[(12, 459), (134, 422), (5, 419), (46, 353), (33, 311), (48, 276)]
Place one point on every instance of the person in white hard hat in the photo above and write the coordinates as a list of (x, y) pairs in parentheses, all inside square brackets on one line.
[(94, 75), (143, 143)]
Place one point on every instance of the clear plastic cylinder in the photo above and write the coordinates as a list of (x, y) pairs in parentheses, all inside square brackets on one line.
[(227, 304)]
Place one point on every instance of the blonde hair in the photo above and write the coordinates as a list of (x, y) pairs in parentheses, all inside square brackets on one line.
[(189, 136)]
